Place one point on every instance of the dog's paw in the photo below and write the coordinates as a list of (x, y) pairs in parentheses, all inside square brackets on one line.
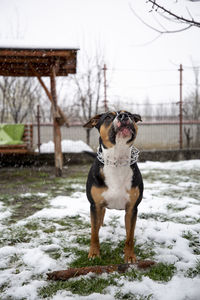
[(130, 257), (94, 252)]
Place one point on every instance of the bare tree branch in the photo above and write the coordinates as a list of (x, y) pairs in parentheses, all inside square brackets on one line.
[(156, 7), (159, 31)]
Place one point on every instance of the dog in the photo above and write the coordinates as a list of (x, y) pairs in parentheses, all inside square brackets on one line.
[(114, 180)]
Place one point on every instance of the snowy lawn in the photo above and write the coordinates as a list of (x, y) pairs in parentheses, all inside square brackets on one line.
[(55, 235)]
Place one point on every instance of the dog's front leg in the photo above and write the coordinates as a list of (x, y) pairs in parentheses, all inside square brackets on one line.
[(97, 215), (135, 197), (130, 222)]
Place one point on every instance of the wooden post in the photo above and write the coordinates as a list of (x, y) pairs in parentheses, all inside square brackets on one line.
[(38, 126), (56, 126), (181, 108)]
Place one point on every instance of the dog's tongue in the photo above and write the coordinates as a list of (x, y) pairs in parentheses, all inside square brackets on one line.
[(125, 131)]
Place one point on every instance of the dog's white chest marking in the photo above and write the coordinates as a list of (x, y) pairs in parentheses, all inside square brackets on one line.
[(117, 178)]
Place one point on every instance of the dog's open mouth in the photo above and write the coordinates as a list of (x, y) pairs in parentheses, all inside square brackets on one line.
[(124, 128)]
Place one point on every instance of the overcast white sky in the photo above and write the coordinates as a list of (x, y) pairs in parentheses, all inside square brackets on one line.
[(135, 70)]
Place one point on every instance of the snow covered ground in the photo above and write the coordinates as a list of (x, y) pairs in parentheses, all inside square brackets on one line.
[(167, 231), (68, 146)]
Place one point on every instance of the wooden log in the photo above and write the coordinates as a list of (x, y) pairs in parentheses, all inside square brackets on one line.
[(74, 272)]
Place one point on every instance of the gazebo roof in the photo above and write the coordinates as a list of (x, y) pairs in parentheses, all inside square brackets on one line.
[(25, 61)]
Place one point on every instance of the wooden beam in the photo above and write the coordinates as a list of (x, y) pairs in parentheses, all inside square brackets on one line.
[(7, 69), (36, 59), (38, 52), (14, 59)]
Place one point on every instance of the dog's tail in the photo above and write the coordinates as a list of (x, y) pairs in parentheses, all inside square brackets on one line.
[(91, 154)]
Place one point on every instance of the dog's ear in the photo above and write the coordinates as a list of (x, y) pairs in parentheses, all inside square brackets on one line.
[(137, 118), (92, 122)]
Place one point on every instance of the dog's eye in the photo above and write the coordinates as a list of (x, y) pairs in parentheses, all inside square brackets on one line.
[(108, 117)]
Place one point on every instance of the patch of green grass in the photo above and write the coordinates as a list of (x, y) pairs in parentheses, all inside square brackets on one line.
[(130, 296), (109, 255), (6, 198), (158, 272), (13, 236), (43, 175), (83, 286), (50, 229), (55, 255), (161, 272), (160, 217), (72, 222), (194, 241), (132, 274), (3, 287), (114, 221), (156, 216), (193, 272), (175, 208), (82, 240), (146, 253), (23, 206), (166, 176), (13, 259)]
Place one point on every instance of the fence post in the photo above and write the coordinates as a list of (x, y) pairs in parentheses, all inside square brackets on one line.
[(181, 108), (38, 126)]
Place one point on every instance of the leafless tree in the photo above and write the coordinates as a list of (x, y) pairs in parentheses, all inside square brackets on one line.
[(4, 89), (191, 107), (88, 90), (18, 98)]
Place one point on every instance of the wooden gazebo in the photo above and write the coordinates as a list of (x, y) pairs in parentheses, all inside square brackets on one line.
[(39, 62)]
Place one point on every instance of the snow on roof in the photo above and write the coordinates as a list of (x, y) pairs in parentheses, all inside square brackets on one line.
[(26, 44)]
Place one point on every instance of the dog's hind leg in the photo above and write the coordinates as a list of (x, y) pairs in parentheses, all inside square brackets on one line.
[(97, 213)]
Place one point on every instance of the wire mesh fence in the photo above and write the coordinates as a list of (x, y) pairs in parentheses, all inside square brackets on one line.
[(151, 135)]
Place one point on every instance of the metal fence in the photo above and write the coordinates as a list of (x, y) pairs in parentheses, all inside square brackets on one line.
[(151, 135)]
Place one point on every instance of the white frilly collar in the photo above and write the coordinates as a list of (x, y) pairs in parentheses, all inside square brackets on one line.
[(119, 163)]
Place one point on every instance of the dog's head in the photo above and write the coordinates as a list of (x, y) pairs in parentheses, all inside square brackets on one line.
[(113, 125)]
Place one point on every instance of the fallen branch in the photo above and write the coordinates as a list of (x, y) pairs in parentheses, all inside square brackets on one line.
[(74, 272)]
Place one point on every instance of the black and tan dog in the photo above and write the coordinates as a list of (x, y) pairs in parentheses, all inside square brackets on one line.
[(114, 180)]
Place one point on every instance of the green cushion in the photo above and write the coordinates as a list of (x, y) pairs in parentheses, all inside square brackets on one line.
[(11, 134)]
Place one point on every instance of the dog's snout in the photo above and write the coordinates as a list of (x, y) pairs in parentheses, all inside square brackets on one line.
[(122, 117)]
